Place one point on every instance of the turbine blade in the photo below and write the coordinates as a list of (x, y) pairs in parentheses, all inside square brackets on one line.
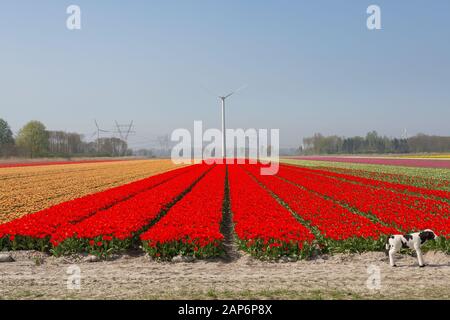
[(210, 91), (241, 88), (236, 91)]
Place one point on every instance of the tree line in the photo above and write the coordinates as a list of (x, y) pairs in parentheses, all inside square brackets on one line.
[(374, 143), (35, 141)]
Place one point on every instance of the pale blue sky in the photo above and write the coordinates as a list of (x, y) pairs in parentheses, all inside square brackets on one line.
[(310, 66)]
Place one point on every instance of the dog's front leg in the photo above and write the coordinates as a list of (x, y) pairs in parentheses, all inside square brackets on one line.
[(391, 257), (419, 256)]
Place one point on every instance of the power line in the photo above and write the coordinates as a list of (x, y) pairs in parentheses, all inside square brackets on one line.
[(98, 134), (124, 131)]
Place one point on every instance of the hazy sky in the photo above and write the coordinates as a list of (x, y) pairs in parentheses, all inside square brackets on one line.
[(310, 66)]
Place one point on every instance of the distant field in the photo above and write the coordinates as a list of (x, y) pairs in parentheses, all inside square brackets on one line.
[(29, 189), (12, 163), (432, 178), (418, 162), (427, 156)]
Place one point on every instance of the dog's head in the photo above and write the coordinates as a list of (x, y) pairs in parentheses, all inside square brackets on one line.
[(427, 234)]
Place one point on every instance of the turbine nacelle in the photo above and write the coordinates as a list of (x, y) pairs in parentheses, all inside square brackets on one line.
[(227, 96), (230, 94)]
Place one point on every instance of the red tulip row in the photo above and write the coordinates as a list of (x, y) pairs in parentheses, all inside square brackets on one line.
[(263, 226), (408, 213), (192, 225), (117, 228), (382, 184), (34, 231), (339, 228)]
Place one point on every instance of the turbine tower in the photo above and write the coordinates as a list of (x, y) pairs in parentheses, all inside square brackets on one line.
[(222, 100), (224, 142)]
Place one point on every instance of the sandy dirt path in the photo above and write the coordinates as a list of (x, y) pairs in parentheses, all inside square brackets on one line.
[(342, 276)]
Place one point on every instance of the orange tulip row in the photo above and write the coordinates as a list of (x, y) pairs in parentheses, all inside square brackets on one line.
[(25, 190)]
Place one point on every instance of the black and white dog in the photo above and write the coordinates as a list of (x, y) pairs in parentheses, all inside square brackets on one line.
[(413, 241)]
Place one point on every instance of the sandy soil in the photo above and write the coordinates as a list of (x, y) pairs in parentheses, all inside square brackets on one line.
[(134, 276)]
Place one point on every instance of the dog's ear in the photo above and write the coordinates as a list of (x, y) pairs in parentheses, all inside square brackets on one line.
[(423, 236), (426, 235), (433, 235)]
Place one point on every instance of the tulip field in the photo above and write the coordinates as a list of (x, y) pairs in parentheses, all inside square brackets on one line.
[(299, 212)]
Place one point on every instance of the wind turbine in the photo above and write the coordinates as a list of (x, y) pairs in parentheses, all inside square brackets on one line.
[(222, 99)]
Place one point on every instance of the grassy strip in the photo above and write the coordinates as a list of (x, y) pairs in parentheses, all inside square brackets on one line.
[(441, 244), (186, 247), (274, 249), (24, 243)]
